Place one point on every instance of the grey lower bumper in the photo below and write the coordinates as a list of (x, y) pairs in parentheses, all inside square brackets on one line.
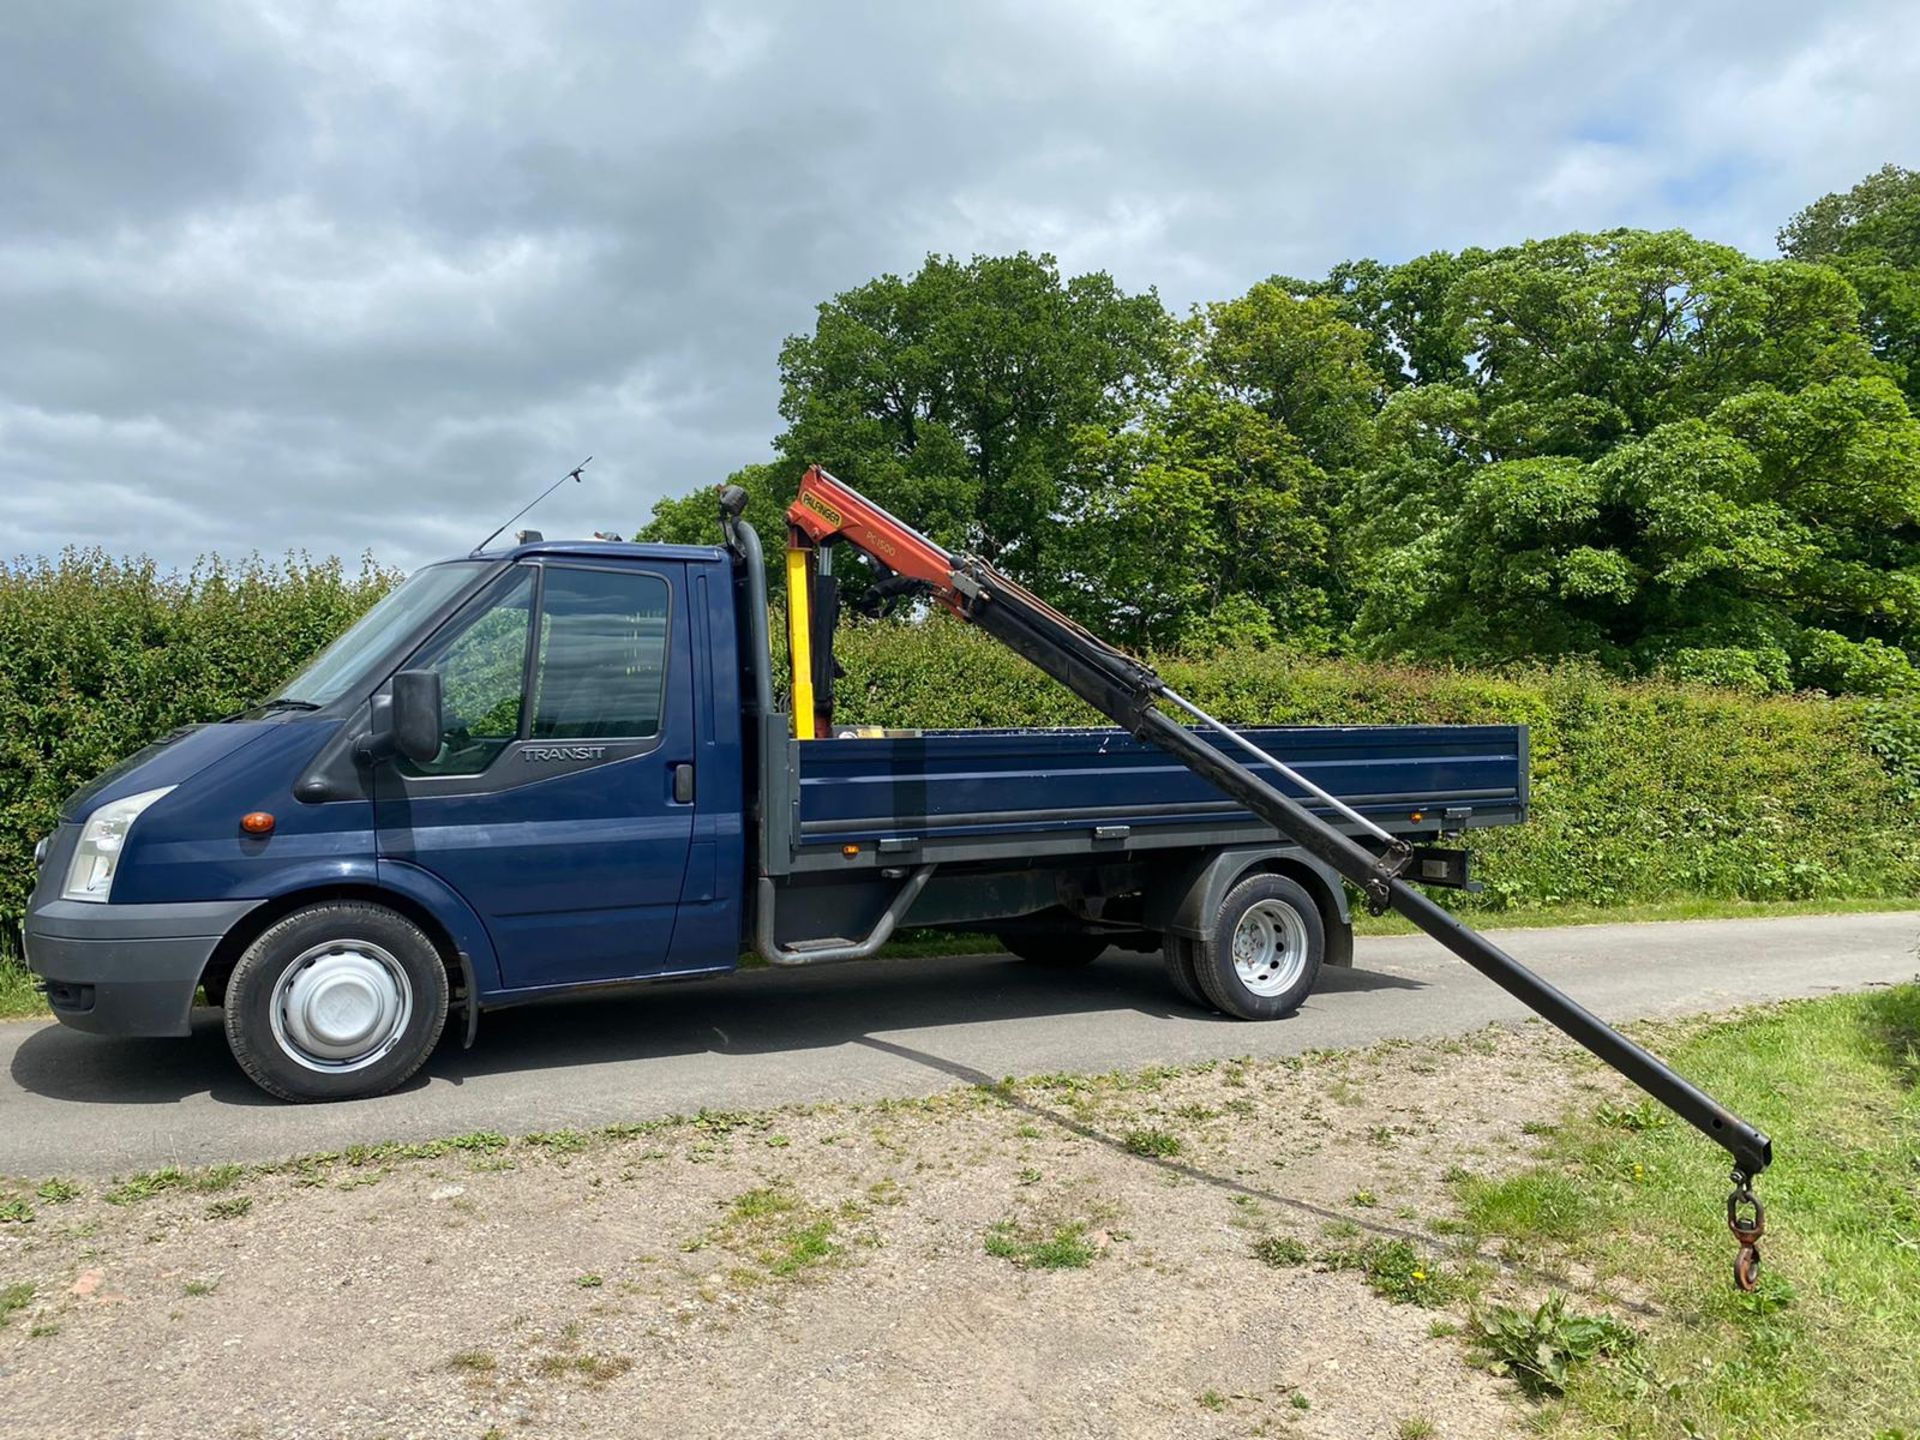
[(126, 969)]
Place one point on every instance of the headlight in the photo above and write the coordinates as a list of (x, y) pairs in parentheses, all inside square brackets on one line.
[(97, 856)]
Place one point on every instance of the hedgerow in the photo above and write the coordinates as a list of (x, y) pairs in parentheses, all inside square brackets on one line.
[(1641, 792), (99, 656)]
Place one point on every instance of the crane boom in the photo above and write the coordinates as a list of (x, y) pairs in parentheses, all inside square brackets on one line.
[(1130, 692)]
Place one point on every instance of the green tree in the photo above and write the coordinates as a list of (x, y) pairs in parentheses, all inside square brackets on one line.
[(1663, 454), (1203, 519), (1301, 364), (1823, 228), (954, 396), (1413, 330), (1580, 341), (1871, 235), (1641, 447), (1200, 525), (1771, 543)]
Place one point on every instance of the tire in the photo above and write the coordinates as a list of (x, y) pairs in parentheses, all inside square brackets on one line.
[(1176, 952), (1058, 949), (1283, 941), (387, 989)]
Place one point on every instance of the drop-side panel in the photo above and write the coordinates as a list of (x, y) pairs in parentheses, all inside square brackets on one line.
[(947, 786)]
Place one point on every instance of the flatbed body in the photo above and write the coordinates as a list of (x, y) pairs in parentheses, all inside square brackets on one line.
[(983, 794)]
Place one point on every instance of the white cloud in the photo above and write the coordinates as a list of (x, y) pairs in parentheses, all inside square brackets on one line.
[(366, 275), (727, 43)]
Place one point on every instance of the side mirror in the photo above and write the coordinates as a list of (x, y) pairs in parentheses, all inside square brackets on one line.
[(417, 723)]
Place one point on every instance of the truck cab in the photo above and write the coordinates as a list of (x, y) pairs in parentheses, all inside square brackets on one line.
[(578, 822)]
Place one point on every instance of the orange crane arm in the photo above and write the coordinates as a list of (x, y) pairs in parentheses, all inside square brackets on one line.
[(826, 510)]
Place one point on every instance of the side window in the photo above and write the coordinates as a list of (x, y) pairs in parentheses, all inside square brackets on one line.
[(482, 665), (603, 654)]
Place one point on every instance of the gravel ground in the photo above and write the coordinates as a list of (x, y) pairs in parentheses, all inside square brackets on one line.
[(828, 1271)]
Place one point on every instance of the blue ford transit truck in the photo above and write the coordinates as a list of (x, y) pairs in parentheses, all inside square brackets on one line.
[(560, 768)]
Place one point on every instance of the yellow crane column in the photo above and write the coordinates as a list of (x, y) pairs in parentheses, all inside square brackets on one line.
[(800, 636)]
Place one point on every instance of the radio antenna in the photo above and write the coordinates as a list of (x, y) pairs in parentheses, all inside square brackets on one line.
[(573, 475)]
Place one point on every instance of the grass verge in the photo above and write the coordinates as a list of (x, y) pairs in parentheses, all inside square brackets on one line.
[(1826, 1346), (17, 994)]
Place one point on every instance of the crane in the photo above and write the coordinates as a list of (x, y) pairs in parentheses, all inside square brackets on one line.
[(1131, 694)]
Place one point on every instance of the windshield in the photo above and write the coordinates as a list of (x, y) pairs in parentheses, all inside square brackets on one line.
[(339, 667)]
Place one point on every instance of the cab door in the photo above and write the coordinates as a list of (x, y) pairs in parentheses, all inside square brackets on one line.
[(560, 804)]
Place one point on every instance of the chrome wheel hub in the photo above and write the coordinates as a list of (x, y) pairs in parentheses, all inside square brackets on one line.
[(341, 1005), (1270, 947)]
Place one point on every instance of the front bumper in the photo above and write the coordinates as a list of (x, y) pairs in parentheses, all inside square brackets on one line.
[(126, 969)]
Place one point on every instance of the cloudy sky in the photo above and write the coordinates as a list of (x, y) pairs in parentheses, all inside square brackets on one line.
[(349, 276)]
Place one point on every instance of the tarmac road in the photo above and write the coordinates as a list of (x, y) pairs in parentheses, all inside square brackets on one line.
[(75, 1104)]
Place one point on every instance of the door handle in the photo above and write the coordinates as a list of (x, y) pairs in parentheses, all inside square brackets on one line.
[(683, 784)]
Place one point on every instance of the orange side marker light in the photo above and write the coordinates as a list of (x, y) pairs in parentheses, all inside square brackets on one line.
[(257, 822)]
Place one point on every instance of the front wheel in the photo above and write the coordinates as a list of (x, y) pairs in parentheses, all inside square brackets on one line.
[(1264, 951), (336, 1001)]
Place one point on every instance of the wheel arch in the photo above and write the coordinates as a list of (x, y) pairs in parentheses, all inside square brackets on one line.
[(1184, 900), (256, 922)]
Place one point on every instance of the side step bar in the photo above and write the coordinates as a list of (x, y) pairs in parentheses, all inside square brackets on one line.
[(832, 951)]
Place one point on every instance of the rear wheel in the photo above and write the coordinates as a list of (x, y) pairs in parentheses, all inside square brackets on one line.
[(1176, 952), (1264, 952), (1060, 949), (336, 1001)]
